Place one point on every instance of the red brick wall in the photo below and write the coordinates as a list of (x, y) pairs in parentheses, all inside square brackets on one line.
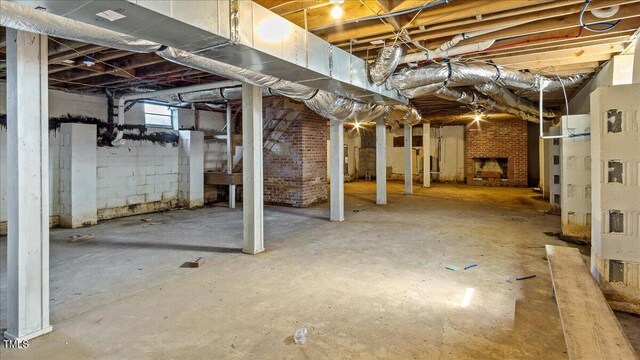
[(498, 139), (295, 169)]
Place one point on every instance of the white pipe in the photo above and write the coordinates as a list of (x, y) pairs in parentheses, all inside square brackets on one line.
[(150, 95), (443, 50), (436, 54)]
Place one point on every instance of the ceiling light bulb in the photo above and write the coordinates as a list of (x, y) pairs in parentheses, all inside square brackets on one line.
[(357, 125), (88, 61), (336, 12), (477, 118)]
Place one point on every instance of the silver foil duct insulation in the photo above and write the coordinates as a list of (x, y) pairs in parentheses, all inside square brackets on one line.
[(466, 74), (326, 104), (468, 97), (505, 97), (23, 18), (385, 64)]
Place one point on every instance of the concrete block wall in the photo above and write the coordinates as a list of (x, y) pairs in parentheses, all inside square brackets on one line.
[(54, 175), (295, 168), (136, 178), (555, 168), (575, 178), (615, 165), (78, 154), (498, 139)]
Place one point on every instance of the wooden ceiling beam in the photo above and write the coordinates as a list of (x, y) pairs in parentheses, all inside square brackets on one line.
[(541, 64), (455, 11), (126, 64), (571, 53), (532, 14), (576, 45)]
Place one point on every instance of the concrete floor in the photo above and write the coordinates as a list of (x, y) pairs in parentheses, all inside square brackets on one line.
[(374, 286)]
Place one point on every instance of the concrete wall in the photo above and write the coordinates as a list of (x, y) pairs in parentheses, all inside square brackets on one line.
[(447, 140), (575, 178), (135, 178), (615, 165)]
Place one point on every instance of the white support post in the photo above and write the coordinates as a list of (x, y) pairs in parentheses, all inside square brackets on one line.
[(336, 150), (426, 154), (252, 173), (381, 162), (408, 159), (28, 186), (232, 188)]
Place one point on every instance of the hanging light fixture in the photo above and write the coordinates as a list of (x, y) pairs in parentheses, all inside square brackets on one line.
[(88, 61)]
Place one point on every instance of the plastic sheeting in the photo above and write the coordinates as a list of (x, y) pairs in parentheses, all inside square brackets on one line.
[(23, 18), (385, 64)]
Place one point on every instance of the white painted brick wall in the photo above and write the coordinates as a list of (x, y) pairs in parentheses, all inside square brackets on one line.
[(136, 173)]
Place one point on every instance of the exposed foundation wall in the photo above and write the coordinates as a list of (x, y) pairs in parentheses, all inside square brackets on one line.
[(615, 166), (138, 177), (295, 169), (499, 139)]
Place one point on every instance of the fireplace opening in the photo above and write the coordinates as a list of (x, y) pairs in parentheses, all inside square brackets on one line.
[(491, 168)]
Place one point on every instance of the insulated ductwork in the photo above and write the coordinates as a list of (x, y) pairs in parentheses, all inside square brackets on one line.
[(214, 95), (326, 104), (505, 97), (467, 97), (385, 64), (466, 74), (23, 18)]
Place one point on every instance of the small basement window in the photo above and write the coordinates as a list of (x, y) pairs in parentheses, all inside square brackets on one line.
[(158, 115)]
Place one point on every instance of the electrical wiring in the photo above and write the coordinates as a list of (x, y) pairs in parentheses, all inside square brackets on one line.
[(608, 25)]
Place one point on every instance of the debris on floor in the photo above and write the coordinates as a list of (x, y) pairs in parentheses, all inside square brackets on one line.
[(197, 262), (470, 266), (80, 238), (147, 220), (300, 337), (525, 277), (453, 267)]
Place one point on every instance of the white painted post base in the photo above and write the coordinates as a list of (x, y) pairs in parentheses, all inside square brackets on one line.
[(252, 173), (408, 158), (27, 186), (336, 150), (381, 162), (426, 157)]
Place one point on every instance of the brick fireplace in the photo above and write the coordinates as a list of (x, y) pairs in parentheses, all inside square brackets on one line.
[(496, 153)]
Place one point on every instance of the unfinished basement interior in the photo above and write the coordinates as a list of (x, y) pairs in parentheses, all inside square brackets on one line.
[(320, 179)]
